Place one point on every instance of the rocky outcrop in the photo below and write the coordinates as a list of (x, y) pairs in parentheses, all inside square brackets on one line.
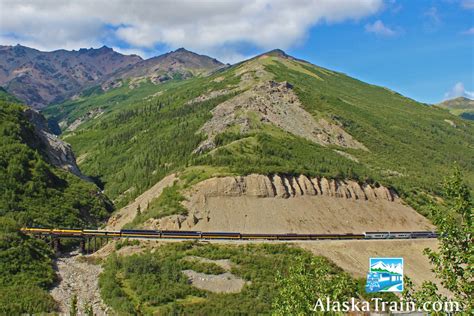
[(56, 151), (287, 186), (274, 103)]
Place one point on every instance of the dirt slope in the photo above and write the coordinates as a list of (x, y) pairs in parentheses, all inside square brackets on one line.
[(274, 103), (353, 256), (286, 204), (128, 213)]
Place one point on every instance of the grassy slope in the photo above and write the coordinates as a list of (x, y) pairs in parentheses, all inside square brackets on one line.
[(94, 97), (139, 140), (401, 134)]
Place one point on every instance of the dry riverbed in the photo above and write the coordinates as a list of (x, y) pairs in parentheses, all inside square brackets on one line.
[(78, 276)]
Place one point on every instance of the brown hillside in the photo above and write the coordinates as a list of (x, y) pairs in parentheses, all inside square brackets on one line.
[(284, 204)]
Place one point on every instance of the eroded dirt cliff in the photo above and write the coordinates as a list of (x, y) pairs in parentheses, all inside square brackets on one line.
[(289, 204)]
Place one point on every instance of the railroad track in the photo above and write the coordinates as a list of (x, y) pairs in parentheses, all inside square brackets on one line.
[(173, 234)]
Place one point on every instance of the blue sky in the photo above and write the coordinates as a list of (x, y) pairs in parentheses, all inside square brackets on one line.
[(424, 59), (422, 49)]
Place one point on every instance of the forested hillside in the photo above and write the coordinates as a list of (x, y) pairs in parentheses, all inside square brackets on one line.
[(360, 131), (32, 192), (27, 271)]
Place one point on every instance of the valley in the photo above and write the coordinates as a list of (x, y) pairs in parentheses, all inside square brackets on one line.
[(182, 142)]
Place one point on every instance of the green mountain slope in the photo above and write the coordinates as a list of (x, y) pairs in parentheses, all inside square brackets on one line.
[(26, 271), (33, 192), (271, 114)]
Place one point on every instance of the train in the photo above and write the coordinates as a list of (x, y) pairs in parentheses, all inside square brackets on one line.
[(181, 234)]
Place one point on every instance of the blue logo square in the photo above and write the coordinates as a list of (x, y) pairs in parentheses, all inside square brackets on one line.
[(385, 275)]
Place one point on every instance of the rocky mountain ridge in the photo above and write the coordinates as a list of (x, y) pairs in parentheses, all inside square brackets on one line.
[(40, 78), (178, 64)]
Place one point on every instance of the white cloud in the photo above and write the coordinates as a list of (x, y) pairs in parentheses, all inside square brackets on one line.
[(469, 31), (458, 91), (380, 29), (204, 26)]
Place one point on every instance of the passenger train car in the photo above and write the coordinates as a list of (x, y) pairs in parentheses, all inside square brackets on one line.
[(177, 234)]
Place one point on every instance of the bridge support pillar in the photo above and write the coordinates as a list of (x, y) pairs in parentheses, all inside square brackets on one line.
[(82, 246), (56, 245), (89, 249)]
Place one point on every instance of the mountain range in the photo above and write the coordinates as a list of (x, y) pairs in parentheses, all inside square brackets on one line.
[(41, 78), (102, 102), (178, 64), (270, 114)]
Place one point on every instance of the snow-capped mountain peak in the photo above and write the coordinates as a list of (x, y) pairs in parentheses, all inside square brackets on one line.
[(393, 268)]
